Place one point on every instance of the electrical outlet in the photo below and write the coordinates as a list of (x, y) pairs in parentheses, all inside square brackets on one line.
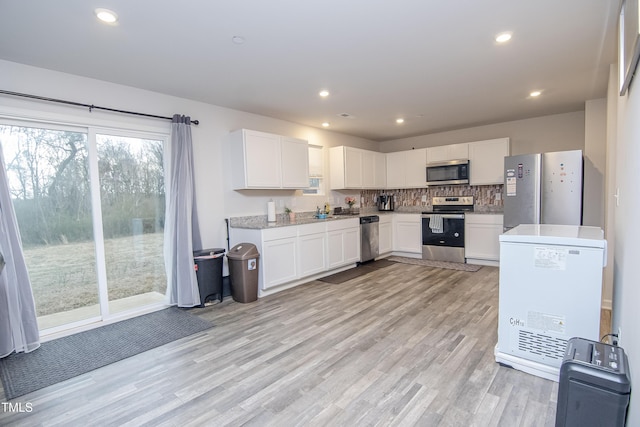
[(424, 198), (498, 196)]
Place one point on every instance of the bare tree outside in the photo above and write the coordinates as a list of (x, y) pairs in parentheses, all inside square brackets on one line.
[(49, 180)]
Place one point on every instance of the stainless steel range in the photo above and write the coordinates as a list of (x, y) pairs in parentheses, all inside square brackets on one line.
[(443, 228)]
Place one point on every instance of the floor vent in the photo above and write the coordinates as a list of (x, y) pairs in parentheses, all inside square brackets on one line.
[(541, 345)]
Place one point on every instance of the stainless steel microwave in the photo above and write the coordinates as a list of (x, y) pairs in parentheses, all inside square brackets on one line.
[(447, 173)]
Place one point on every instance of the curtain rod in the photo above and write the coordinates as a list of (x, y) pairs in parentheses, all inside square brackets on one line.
[(89, 106)]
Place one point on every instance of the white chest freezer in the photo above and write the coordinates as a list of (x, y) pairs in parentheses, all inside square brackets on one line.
[(550, 291)]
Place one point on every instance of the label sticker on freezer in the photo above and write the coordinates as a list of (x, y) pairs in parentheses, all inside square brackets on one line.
[(546, 322), (550, 258)]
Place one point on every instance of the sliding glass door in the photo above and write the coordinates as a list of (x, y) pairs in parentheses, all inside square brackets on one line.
[(90, 206), (132, 198)]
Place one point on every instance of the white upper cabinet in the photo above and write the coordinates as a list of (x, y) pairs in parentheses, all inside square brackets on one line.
[(265, 160), (374, 169), (380, 175), (407, 169), (395, 170), (486, 161), (295, 162), (445, 153), (368, 169), (356, 168)]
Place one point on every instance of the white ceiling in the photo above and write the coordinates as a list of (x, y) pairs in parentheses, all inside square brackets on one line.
[(435, 63)]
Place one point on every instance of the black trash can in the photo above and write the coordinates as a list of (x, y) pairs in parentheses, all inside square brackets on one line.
[(243, 272), (208, 266)]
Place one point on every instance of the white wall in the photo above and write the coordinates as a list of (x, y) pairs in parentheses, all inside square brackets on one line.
[(556, 132), (610, 186), (215, 199), (595, 161), (626, 297)]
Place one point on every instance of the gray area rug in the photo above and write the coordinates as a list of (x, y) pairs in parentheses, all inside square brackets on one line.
[(67, 357), (437, 264), (358, 271)]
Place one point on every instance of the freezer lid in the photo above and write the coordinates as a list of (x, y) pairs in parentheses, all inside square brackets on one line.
[(551, 234)]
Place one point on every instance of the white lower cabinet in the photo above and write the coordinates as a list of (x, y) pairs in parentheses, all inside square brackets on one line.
[(385, 234), (481, 238), (312, 248), (343, 242), (289, 255), (279, 256), (352, 244), (407, 233)]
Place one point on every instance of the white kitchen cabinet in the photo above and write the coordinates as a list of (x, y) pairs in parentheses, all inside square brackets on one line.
[(265, 160), (385, 234), (295, 162), (395, 170), (354, 168), (312, 249), (445, 153), (352, 244), (290, 255), (280, 248), (343, 242), (368, 169), (345, 168), (407, 169), (486, 159), (481, 238), (380, 166), (373, 170), (407, 233)]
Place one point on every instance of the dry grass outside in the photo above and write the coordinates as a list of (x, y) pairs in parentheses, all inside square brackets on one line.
[(63, 276)]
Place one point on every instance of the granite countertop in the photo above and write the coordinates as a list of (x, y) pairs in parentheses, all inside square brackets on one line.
[(259, 222)]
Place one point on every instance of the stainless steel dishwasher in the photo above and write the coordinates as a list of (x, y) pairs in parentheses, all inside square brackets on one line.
[(369, 237)]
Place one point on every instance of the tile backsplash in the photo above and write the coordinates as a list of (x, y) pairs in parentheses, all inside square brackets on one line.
[(486, 197)]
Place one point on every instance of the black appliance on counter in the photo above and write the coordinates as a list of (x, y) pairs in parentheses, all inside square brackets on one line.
[(386, 202), (594, 387), (443, 228)]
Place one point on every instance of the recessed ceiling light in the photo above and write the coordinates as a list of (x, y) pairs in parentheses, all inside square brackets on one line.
[(325, 125), (106, 15), (324, 93), (399, 121), (503, 37), (535, 93), (237, 39)]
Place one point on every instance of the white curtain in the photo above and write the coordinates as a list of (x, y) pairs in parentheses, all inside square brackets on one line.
[(181, 225), (18, 324)]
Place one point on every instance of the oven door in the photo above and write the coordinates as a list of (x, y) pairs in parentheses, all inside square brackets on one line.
[(447, 245)]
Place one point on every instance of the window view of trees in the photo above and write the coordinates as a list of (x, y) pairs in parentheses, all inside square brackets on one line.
[(50, 184), (132, 196)]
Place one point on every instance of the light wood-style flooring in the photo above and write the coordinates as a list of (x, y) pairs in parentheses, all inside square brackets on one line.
[(405, 345)]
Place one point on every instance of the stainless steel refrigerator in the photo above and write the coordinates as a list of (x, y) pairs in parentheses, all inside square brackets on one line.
[(543, 189)]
